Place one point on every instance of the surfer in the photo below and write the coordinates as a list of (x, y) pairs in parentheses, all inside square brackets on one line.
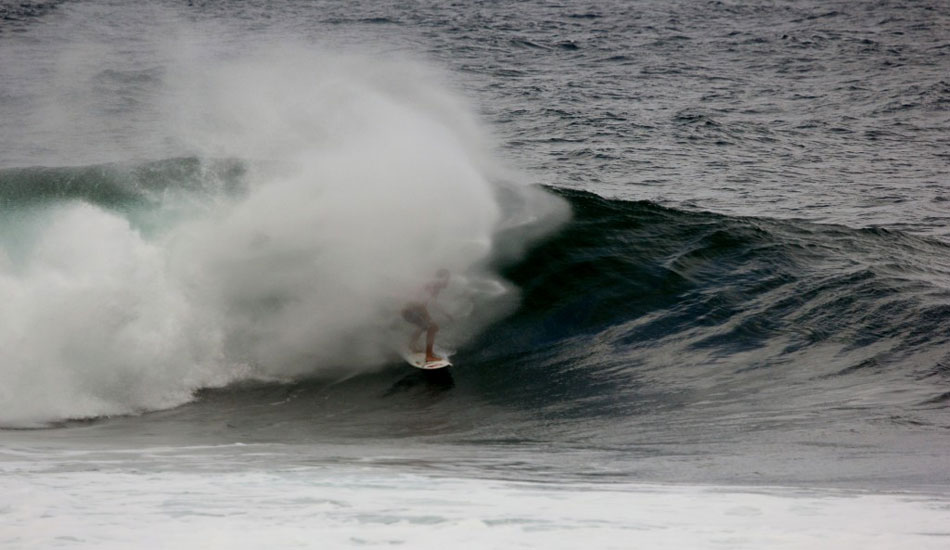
[(416, 312)]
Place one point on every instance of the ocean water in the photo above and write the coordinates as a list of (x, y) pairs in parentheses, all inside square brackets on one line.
[(700, 291)]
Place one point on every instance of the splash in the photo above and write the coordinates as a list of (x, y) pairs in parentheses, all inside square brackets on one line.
[(364, 177)]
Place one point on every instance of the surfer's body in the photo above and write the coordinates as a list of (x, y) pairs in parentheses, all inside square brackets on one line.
[(417, 313)]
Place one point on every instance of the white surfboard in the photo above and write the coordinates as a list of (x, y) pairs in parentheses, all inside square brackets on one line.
[(418, 360)]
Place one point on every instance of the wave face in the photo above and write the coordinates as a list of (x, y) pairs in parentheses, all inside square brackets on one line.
[(639, 306), (631, 309), (678, 337), (322, 191), (689, 345)]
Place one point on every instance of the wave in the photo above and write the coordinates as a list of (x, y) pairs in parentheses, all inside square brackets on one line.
[(619, 261), (644, 323), (636, 305), (630, 306)]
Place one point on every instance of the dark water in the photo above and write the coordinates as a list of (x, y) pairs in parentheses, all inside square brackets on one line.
[(755, 284)]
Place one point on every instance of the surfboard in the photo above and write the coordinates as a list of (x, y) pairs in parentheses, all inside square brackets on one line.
[(418, 360)]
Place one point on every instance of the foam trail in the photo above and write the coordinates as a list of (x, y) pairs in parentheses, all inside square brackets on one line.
[(366, 177)]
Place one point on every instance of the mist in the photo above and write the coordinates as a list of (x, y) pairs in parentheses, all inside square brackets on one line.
[(364, 176)]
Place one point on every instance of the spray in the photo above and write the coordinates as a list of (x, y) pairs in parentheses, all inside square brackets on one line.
[(364, 177)]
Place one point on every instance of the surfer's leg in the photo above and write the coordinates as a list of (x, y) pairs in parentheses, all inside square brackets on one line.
[(430, 343)]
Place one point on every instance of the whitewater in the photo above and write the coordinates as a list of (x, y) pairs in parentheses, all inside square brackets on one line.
[(361, 178), (699, 290)]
